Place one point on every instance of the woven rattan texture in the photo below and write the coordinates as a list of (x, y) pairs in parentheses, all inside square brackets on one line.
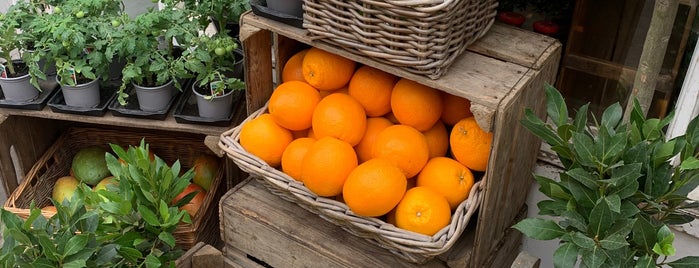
[(420, 36), (56, 162), (408, 245)]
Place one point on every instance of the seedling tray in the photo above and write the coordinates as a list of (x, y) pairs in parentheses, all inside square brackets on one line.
[(37, 103), (186, 110), (107, 93), (131, 109)]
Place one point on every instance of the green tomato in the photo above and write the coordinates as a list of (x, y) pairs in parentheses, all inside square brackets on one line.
[(230, 48), (220, 51), (57, 10), (65, 43), (115, 23), (79, 14)]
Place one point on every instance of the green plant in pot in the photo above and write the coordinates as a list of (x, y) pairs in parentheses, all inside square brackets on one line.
[(154, 65), (618, 192), (15, 78), (216, 84), (81, 34), (225, 14), (126, 224)]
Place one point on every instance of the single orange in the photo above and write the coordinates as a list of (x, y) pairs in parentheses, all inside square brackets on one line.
[(416, 105), (374, 125), (437, 139), (341, 116), (422, 210), (403, 146), (325, 70), (374, 188), (448, 177), (293, 68), (264, 138), (455, 108), (372, 88), (293, 156), (292, 104), (326, 165), (470, 145)]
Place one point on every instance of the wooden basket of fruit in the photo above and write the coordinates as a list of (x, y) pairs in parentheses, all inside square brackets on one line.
[(79, 153), (354, 150), (420, 36)]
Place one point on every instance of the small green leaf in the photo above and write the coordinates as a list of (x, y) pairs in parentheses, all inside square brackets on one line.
[(690, 163), (574, 219), (43, 263), (665, 238), (614, 203), (686, 262), (164, 211), (615, 241), (582, 241), (583, 146), (624, 174), (130, 254), (580, 121), (583, 196), (565, 256), (594, 257), (644, 234), (612, 116), (539, 229), (152, 261), (148, 215), (106, 254), (584, 177), (167, 238), (551, 207), (539, 128), (556, 106), (601, 218), (645, 261), (75, 264), (75, 244)]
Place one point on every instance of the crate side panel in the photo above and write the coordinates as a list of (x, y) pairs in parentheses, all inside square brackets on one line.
[(257, 45), (283, 234), (513, 156)]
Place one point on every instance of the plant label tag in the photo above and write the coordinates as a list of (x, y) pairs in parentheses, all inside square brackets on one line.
[(214, 86), (73, 76), (3, 72)]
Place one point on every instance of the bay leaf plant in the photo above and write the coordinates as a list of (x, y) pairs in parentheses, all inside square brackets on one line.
[(618, 192), (129, 224)]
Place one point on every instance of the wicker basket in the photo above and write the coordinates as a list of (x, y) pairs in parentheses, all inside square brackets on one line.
[(408, 245), (419, 36), (38, 184)]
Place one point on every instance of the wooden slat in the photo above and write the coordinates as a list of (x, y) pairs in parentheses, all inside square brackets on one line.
[(257, 45)]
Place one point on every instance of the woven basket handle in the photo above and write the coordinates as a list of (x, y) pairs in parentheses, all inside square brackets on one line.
[(438, 4)]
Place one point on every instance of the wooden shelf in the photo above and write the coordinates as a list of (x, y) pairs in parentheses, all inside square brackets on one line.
[(169, 124)]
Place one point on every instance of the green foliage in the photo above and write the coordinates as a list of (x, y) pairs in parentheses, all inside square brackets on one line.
[(151, 57), (212, 61), (130, 224), (221, 11), (618, 191), (78, 39), (14, 33)]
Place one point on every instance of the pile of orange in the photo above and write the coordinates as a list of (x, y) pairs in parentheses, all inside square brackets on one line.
[(386, 146)]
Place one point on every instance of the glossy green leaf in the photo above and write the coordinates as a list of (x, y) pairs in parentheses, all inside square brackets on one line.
[(601, 218), (580, 121), (594, 257), (690, 163), (582, 241), (148, 215), (644, 234), (167, 238), (584, 146), (539, 128), (539, 228), (612, 116), (556, 108), (584, 177), (152, 261), (645, 261), (686, 262), (75, 244), (565, 256)]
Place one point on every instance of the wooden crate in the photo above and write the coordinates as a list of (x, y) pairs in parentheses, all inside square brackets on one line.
[(261, 229), (56, 162), (200, 255), (502, 74)]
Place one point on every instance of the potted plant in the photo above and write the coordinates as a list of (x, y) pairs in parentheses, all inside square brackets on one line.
[(216, 85), (126, 224), (154, 66), (224, 14), (15, 80), (79, 37), (618, 192)]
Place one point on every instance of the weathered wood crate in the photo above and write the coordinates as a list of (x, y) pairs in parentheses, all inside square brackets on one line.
[(501, 74), (260, 229)]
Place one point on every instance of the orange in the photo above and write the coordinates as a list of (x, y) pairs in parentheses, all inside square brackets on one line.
[(422, 210), (374, 125), (293, 156), (372, 88), (293, 68), (403, 146), (325, 70), (339, 115), (264, 138), (325, 93), (416, 105), (292, 104), (374, 188), (454, 108), (470, 145), (437, 139), (326, 165), (448, 177)]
